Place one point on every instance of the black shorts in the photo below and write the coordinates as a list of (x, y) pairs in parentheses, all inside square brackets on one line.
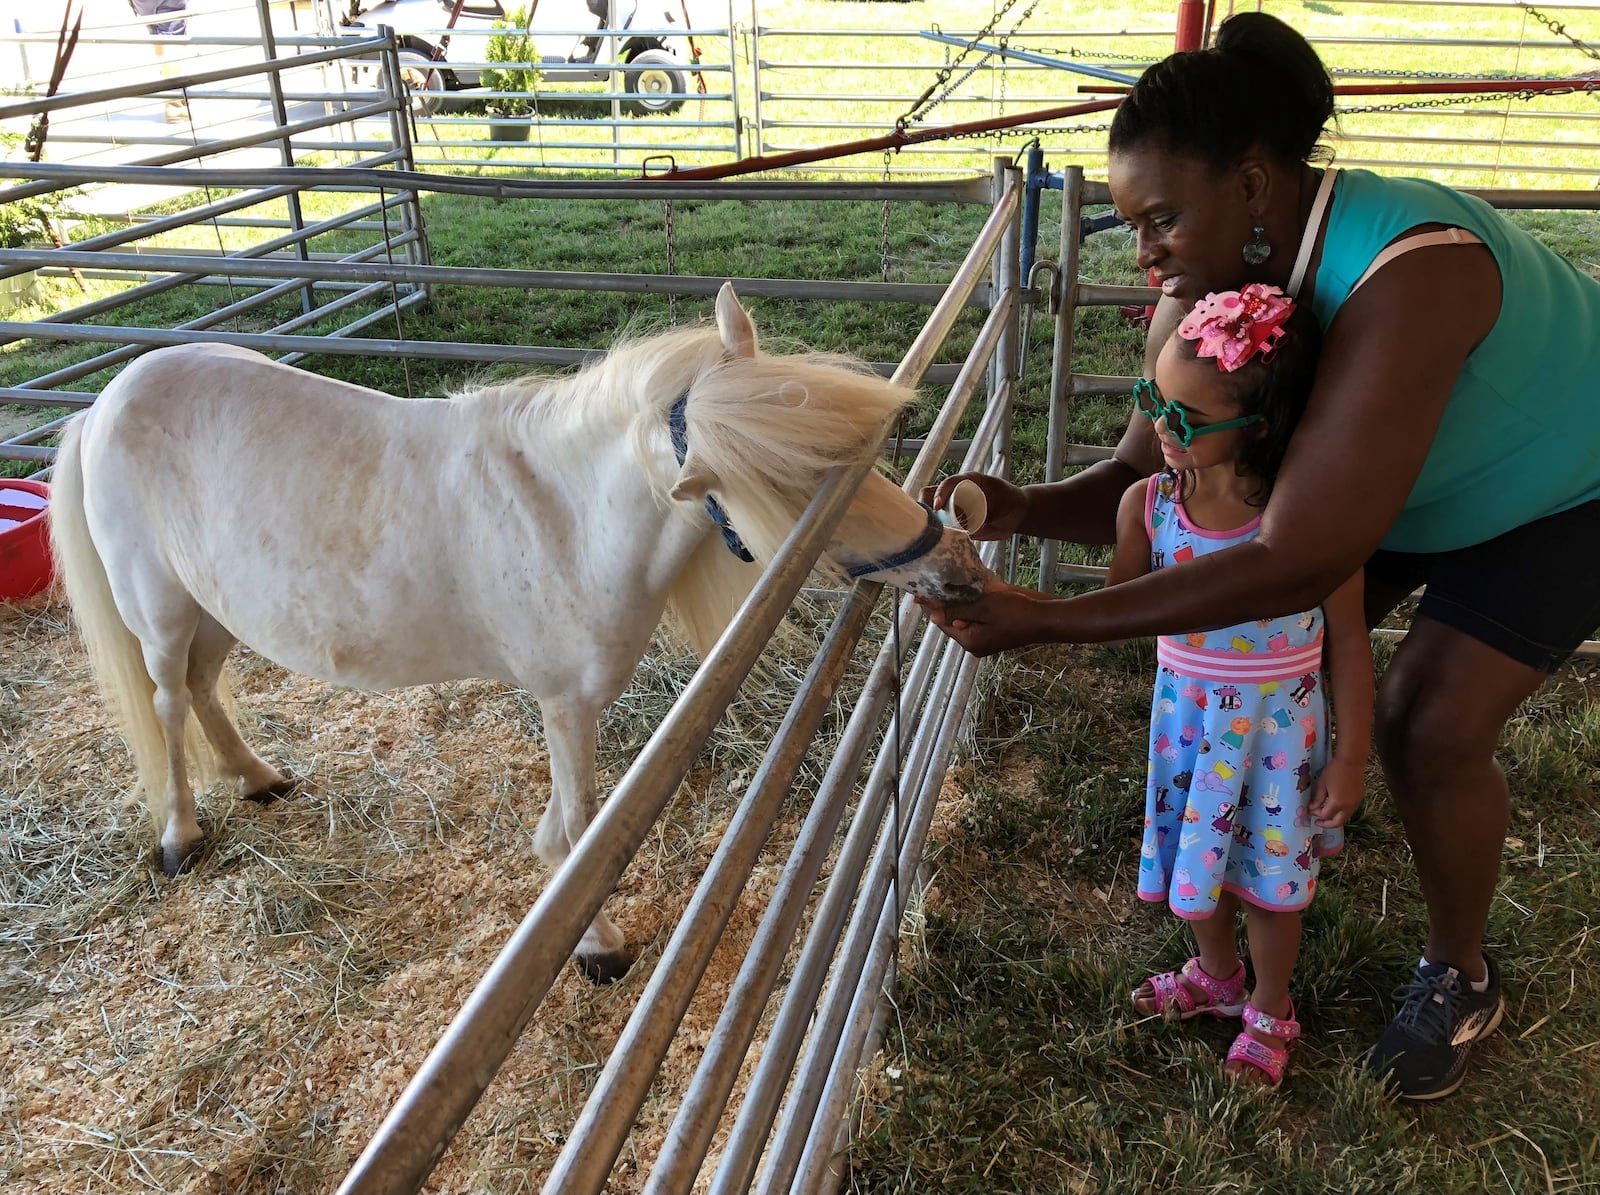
[(154, 8), (1532, 594)]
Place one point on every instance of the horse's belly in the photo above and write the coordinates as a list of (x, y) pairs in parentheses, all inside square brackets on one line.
[(338, 634)]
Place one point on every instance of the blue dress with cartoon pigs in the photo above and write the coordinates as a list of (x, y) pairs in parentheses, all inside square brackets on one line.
[(1238, 736)]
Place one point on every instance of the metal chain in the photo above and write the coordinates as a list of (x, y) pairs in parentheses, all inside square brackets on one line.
[(1005, 40), (1560, 30), (928, 101), (1444, 76), (1004, 73), (1021, 131), (883, 230), (1488, 97), (672, 261)]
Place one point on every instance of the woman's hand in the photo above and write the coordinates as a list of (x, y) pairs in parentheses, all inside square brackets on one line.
[(1008, 504), (1339, 791), (1005, 617)]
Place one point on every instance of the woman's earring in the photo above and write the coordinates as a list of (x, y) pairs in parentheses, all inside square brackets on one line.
[(1257, 249)]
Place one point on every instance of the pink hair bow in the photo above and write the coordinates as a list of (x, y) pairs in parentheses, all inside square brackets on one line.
[(1235, 325)]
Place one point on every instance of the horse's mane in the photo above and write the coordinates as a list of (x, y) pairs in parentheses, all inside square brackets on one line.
[(768, 426), (771, 426)]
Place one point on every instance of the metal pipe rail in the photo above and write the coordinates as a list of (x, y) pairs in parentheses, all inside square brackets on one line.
[(149, 289), (593, 1144), (429, 1112), (597, 1138), (970, 191), (78, 99), (339, 271), (817, 1165), (393, 232), (753, 1124), (204, 149), (828, 1018)]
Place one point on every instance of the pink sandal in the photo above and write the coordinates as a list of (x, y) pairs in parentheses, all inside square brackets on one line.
[(1175, 1001), (1270, 1060)]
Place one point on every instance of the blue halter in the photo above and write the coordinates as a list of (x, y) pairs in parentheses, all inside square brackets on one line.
[(920, 547), (678, 421), (931, 535)]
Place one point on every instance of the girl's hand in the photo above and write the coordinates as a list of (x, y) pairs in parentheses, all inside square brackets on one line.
[(1008, 504), (1339, 791), (1005, 617)]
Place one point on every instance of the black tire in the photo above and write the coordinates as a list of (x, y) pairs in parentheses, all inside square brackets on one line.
[(424, 77), (657, 81)]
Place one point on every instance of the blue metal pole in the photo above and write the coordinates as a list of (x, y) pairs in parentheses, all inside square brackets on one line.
[(1065, 64), (1037, 180)]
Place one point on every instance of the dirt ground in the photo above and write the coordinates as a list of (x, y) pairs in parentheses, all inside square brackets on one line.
[(246, 1027)]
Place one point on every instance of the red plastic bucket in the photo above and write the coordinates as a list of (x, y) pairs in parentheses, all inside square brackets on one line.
[(25, 564)]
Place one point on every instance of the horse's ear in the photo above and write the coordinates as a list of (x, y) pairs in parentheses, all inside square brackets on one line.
[(733, 322), (694, 481)]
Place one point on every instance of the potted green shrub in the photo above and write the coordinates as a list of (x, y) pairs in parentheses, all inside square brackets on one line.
[(516, 78)]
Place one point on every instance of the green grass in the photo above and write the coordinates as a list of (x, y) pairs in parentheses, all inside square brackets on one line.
[(1017, 1064)]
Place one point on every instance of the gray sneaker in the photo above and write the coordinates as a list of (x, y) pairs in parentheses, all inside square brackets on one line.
[(1423, 1053)]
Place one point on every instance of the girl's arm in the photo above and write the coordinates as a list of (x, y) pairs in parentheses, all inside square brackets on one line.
[(1348, 651), (1132, 557)]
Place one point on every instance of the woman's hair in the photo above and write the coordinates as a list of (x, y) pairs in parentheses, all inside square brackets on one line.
[(1260, 83), (1276, 387)]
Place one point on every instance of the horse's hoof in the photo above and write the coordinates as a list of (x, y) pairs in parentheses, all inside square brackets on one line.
[(605, 967), (180, 860), (284, 788)]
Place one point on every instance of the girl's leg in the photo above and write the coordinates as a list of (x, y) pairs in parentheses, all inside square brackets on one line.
[(1274, 948), (1217, 938), (1217, 944)]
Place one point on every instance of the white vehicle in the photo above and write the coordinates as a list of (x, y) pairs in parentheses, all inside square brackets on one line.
[(655, 72)]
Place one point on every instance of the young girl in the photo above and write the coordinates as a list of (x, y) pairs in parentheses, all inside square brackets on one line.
[(1242, 800)]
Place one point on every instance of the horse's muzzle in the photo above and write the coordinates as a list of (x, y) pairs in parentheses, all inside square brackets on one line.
[(948, 572)]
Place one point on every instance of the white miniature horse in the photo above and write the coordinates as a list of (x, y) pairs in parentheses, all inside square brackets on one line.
[(533, 532)]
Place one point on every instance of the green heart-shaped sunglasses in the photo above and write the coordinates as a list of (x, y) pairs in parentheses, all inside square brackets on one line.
[(1154, 407)]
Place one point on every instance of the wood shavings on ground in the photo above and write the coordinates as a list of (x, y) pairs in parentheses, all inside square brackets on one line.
[(247, 1027)]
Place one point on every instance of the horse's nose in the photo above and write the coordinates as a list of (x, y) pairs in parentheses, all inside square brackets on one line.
[(956, 573), (963, 591)]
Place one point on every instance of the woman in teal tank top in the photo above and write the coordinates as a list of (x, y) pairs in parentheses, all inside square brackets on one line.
[(1451, 441)]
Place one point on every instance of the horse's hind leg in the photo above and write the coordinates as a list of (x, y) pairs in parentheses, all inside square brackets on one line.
[(259, 781), (570, 730), (166, 659)]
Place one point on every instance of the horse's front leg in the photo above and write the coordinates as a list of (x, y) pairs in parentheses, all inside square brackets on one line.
[(570, 730)]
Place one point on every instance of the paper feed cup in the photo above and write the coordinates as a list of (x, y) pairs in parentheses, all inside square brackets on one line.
[(967, 508)]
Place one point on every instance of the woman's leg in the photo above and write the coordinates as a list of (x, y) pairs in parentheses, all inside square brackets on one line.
[(1442, 708)]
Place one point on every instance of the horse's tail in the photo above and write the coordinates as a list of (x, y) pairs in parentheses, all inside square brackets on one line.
[(114, 653)]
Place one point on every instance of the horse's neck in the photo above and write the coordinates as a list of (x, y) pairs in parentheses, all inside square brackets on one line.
[(589, 457), (569, 476)]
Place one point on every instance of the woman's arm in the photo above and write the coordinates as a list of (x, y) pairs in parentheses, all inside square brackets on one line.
[(1387, 368), (1132, 557), (1348, 651)]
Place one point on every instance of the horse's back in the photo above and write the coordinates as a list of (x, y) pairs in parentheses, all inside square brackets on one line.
[(177, 384), (288, 506)]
